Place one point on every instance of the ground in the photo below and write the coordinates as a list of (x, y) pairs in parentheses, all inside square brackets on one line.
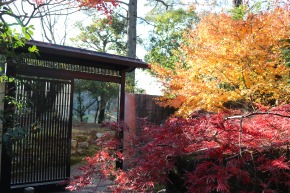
[(84, 132)]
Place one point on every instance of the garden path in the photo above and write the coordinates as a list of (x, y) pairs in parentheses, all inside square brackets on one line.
[(102, 188)]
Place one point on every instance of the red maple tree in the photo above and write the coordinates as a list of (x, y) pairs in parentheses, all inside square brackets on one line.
[(241, 153)]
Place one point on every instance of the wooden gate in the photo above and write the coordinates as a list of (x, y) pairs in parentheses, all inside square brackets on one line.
[(47, 158), (43, 156)]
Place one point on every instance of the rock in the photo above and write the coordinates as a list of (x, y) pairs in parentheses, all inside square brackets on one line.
[(81, 138), (74, 144), (73, 151), (111, 132), (80, 150), (99, 135), (162, 191), (29, 190), (83, 145)]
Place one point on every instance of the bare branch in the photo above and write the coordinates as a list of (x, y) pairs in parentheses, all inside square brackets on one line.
[(122, 2), (144, 20), (6, 2), (161, 1)]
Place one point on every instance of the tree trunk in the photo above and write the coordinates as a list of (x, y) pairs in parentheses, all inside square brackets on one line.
[(102, 110), (97, 111), (237, 3), (132, 31), (79, 111)]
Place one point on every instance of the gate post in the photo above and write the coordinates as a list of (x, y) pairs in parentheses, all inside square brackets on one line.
[(5, 178), (68, 162), (119, 163)]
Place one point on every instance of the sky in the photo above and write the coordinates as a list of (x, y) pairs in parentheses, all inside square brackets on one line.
[(144, 80)]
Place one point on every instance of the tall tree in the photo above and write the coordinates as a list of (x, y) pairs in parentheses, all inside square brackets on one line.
[(132, 17), (237, 3), (132, 29), (230, 60)]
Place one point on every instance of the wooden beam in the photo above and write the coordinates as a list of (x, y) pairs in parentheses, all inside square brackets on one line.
[(65, 74), (68, 161), (119, 163), (122, 95)]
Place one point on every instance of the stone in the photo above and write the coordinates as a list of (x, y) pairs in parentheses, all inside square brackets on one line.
[(74, 144), (88, 137), (29, 190), (84, 137), (73, 151), (99, 135), (110, 132), (162, 191), (83, 145)]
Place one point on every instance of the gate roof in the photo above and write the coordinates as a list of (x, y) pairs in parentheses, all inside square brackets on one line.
[(72, 55)]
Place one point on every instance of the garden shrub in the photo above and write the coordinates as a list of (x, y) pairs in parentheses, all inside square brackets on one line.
[(240, 153)]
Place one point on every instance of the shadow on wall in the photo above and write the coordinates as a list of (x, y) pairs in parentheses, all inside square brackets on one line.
[(141, 106), (146, 107)]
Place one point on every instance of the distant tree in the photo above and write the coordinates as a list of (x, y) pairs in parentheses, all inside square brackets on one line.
[(165, 39), (106, 92), (103, 35), (81, 106)]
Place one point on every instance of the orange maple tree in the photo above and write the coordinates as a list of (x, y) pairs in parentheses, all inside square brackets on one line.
[(230, 60)]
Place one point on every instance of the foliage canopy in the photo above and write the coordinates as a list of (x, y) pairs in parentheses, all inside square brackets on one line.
[(229, 60)]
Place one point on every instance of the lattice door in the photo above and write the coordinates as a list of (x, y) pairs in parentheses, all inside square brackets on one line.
[(46, 156)]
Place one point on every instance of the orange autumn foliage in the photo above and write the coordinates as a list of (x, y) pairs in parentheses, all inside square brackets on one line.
[(229, 60)]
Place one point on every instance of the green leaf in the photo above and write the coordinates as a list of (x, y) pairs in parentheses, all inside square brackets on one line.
[(30, 32), (27, 36), (31, 27), (23, 30)]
